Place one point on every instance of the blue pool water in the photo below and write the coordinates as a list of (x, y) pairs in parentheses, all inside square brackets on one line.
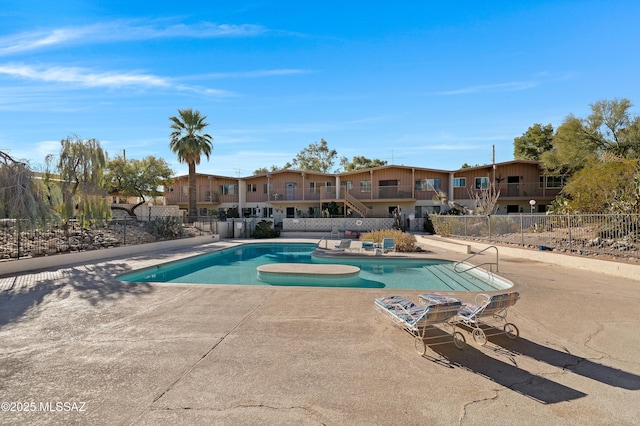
[(237, 265)]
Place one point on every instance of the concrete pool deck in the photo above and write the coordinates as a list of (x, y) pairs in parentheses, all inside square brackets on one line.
[(148, 354)]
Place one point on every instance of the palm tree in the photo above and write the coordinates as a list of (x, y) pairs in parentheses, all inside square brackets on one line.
[(189, 144)]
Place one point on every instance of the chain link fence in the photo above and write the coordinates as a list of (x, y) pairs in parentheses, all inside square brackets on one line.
[(615, 235)]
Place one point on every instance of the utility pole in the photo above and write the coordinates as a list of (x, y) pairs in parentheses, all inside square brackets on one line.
[(493, 162)]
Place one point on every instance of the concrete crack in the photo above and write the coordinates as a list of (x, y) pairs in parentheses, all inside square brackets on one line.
[(463, 415)]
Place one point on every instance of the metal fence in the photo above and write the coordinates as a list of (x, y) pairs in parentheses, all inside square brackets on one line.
[(616, 235), (20, 238)]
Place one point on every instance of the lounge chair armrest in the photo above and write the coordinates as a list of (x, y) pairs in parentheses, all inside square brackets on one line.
[(482, 299)]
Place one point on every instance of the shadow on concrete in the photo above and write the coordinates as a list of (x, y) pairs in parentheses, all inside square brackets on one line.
[(93, 283), (538, 388), (566, 361)]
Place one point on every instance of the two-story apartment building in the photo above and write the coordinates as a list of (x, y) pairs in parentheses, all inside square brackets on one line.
[(374, 192)]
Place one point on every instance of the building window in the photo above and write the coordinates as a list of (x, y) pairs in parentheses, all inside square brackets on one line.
[(481, 183), (551, 181), (349, 184), (185, 190), (428, 185), (228, 189), (252, 187), (267, 187), (365, 186), (328, 187), (312, 187), (459, 182)]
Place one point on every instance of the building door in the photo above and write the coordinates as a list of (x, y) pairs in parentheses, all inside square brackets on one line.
[(290, 191), (513, 186)]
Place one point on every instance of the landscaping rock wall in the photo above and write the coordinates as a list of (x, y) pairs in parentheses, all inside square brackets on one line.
[(15, 243)]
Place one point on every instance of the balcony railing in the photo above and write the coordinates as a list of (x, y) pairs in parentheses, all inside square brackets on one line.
[(526, 189), (521, 190), (202, 197), (296, 193), (391, 192)]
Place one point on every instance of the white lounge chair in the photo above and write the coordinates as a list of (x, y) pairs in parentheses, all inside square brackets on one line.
[(488, 316), (418, 319), (334, 232), (356, 246), (344, 245)]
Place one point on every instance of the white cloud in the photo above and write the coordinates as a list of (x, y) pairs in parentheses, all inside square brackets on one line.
[(37, 151), (501, 87), (249, 74), (81, 76), (32, 41), (90, 79), (121, 31)]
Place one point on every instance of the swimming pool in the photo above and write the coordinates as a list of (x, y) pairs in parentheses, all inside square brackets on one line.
[(238, 265)]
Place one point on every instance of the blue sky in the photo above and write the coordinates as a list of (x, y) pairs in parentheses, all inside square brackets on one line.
[(426, 84)]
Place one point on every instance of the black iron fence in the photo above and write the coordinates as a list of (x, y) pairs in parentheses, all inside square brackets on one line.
[(617, 235), (20, 238)]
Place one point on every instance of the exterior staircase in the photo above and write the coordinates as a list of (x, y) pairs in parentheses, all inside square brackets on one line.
[(356, 205)]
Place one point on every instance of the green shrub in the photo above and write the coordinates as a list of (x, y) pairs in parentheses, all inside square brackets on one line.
[(504, 225), (264, 230), (428, 225), (166, 228)]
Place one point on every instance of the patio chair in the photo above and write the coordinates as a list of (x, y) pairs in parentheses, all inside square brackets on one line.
[(356, 246), (344, 245), (418, 319), (488, 316), (388, 244)]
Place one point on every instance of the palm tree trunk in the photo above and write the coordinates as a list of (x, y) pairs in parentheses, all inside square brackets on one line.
[(193, 207)]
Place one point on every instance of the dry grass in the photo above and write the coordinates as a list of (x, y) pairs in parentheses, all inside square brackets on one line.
[(404, 242)]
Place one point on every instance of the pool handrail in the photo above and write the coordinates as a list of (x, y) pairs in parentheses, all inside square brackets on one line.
[(321, 240), (455, 265)]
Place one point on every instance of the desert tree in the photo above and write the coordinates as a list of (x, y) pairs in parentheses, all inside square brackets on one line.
[(81, 167), (317, 157), (20, 195), (139, 178), (535, 141), (360, 162)]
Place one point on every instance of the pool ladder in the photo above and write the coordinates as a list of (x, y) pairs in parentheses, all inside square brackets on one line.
[(457, 264)]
